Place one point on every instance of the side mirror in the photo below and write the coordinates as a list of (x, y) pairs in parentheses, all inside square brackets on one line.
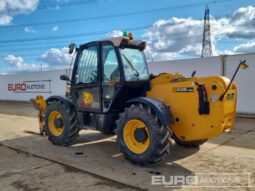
[(65, 78), (71, 47)]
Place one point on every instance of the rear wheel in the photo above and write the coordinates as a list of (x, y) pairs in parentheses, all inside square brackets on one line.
[(61, 123), (191, 144), (141, 137)]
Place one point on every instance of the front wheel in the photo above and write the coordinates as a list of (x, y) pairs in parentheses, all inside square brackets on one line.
[(141, 137), (61, 123)]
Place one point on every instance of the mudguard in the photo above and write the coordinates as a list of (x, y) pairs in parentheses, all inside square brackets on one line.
[(162, 110), (64, 99), (70, 103)]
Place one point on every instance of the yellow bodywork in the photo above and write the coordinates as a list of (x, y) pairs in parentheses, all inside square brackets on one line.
[(188, 123)]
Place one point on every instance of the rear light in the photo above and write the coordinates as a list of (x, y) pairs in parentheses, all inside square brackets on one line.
[(128, 35)]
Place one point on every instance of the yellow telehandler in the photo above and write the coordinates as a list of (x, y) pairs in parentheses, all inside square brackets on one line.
[(111, 90)]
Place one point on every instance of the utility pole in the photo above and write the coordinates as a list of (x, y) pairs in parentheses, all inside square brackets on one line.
[(207, 46)]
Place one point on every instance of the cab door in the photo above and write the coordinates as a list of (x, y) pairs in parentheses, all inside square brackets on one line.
[(86, 87), (111, 75)]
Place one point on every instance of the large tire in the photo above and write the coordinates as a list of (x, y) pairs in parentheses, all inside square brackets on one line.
[(159, 135), (190, 144), (69, 124)]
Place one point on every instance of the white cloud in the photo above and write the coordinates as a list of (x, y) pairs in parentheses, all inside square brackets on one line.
[(10, 8), (54, 29), (5, 19), (177, 36), (243, 20), (55, 57), (30, 30), (19, 5), (115, 33), (245, 48), (248, 47), (243, 16), (182, 37), (14, 61), (17, 64)]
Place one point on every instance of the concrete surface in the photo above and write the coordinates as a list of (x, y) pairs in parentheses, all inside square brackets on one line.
[(97, 154), (22, 171), (17, 108)]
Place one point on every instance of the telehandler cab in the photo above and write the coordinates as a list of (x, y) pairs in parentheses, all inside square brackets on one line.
[(111, 90)]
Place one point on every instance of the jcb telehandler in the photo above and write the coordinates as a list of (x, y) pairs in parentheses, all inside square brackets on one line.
[(111, 90)]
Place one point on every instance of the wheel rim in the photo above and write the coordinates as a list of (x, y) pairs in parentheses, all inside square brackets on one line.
[(56, 131), (129, 136)]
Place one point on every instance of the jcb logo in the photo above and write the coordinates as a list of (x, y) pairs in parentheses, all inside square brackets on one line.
[(87, 99)]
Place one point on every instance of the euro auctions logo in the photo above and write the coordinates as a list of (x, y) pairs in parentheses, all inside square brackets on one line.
[(213, 180), (39, 86), (17, 87)]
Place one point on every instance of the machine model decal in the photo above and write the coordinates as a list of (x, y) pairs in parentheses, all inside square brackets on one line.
[(87, 99), (184, 89)]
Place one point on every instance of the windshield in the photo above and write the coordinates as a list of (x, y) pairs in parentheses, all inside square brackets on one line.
[(135, 66)]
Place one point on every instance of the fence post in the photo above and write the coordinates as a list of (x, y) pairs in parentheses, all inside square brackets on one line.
[(223, 64)]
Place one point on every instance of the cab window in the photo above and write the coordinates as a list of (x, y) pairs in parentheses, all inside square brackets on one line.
[(110, 64), (111, 75), (134, 63), (87, 70)]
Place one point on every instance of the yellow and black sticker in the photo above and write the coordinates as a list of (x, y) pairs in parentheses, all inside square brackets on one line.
[(87, 98), (184, 89)]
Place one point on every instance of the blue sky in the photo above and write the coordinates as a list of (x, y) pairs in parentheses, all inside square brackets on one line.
[(172, 28)]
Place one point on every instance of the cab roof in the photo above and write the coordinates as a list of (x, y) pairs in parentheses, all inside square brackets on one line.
[(118, 41)]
